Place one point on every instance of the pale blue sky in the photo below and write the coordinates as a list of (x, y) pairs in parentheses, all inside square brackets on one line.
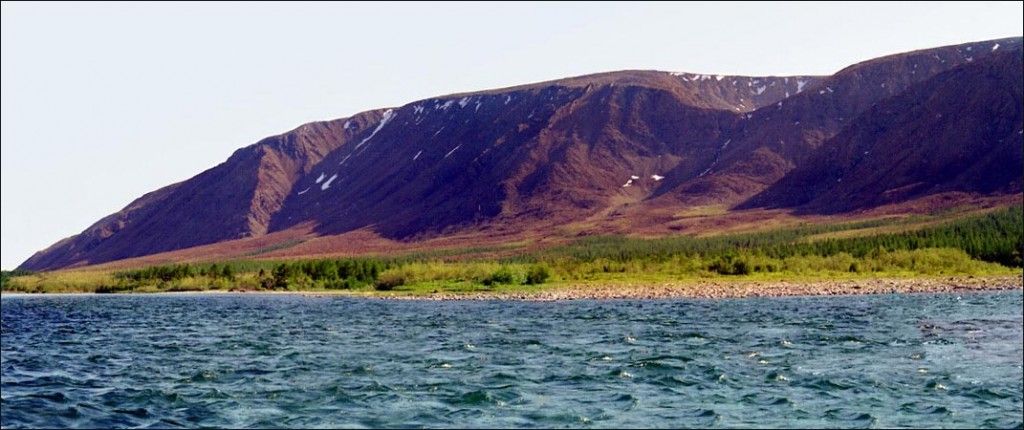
[(104, 102)]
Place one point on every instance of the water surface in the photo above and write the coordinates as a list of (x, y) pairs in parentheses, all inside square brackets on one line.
[(939, 360)]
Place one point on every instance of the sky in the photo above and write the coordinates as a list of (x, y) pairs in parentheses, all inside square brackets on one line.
[(103, 102)]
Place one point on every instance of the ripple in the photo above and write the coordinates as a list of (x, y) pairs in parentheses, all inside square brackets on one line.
[(288, 361)]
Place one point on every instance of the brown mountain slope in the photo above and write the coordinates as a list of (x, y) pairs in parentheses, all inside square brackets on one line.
[(773, 140), (232, 200), (539, 157), (960, 130)]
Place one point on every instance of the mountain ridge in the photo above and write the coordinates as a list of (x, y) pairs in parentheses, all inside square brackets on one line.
[(521, 157)]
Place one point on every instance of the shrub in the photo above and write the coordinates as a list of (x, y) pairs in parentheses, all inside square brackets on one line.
[(503, 275), (387, 281), (537, 274)]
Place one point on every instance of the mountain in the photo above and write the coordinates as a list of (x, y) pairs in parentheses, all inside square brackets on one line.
[(619, 152), (960, 130)]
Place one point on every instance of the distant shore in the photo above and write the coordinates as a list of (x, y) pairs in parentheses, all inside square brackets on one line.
[(718, 289), (695, 289)]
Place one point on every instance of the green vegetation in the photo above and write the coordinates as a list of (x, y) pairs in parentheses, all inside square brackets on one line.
[(989, 244), (6, 275)]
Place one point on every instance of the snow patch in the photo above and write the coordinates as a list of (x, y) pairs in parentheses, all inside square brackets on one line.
[(800, 85), (303, 191), (417, 155), (347, 124), (508, 98), (969, 59), (634, 177), (437, 132), (719, 77), (418, 109), (327, 184), (463, 102), (628, 183), (453, 150), (657, 177), (994, 47), (321, 178), (760, 90), (477, 106), (343, 160), (724, 145), (388, 116)]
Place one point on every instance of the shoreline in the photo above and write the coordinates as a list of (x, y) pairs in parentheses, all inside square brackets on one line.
[(694, 289), (718, 289)]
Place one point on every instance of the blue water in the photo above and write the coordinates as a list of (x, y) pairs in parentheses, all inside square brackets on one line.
[(290, 361)]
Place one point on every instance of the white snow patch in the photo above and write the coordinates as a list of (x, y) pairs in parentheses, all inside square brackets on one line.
[(719, 77), (321, 178), (994, 47), (327, 184), (388, 116), (463, 102), (347, 123), (453, 150), (417, 155), (437, 132), (634, 177), (343, 160), (418, 109), (477, 106), (628, 183), (508, 98), (969, 48), (444, 106), (800, 85), (657, 177), (725, 144), (750, 115), (760, 90), (303, 191), (821, 91), (787, 95), (704, 172), (969, 59), (829, 89)]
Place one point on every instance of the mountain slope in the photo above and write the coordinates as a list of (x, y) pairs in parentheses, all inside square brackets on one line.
[(232, 200), (542, 156), (773, 140), (960, 130)]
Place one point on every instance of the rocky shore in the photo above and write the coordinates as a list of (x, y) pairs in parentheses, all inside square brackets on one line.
[(736, 289)]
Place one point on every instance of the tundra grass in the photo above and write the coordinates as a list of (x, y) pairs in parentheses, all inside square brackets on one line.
[(989, 244)]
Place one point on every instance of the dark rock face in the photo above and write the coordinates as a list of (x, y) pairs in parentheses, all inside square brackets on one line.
[(882, 131)]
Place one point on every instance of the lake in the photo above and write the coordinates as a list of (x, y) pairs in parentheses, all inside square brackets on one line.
[(252, 360)]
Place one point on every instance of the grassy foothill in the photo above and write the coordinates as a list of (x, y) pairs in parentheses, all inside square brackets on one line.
[(981, 245)]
